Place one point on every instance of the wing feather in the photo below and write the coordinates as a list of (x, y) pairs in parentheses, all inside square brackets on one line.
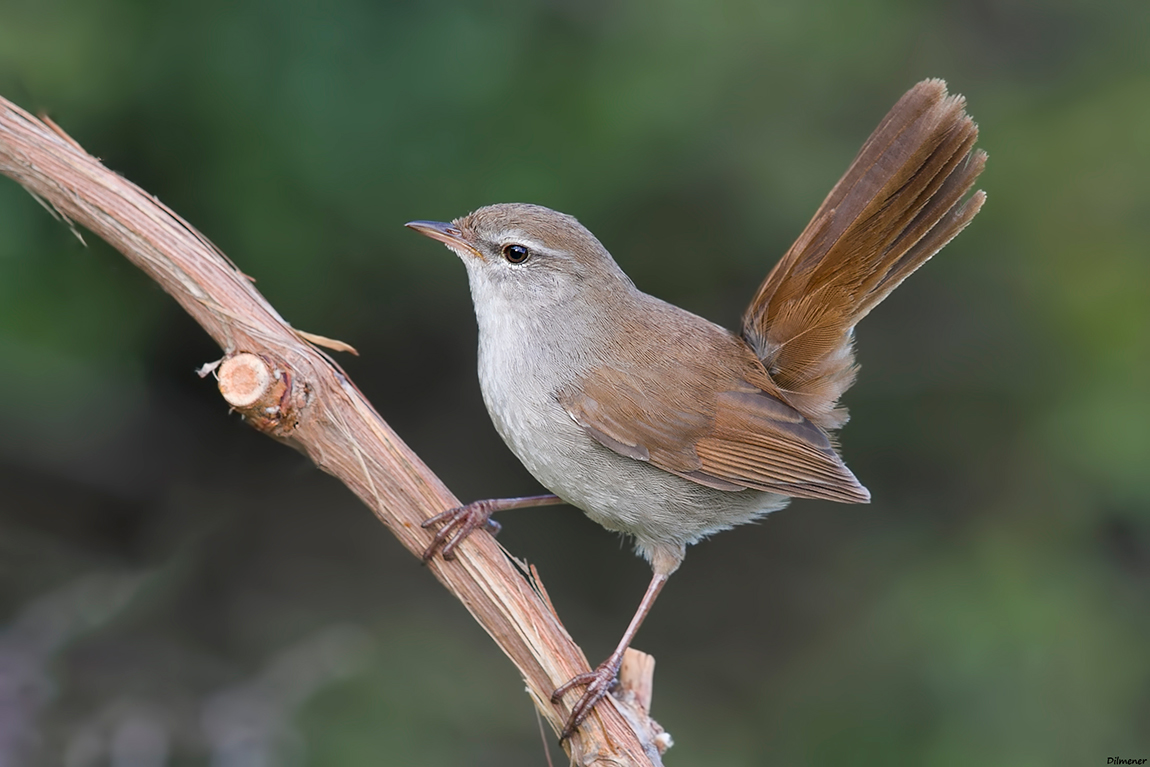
[(718, 426)]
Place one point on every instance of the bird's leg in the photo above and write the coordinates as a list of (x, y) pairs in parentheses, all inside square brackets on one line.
[(600, 681), (460, 522)]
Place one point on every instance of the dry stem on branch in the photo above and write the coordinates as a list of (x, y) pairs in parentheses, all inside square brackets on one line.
[(296, 393)]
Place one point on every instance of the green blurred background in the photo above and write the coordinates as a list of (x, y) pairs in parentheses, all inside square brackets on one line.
[(177, 590)]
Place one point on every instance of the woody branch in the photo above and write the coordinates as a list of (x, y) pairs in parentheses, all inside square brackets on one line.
[(294, 392)]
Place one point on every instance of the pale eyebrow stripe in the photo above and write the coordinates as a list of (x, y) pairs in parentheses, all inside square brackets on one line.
[(519, 237)]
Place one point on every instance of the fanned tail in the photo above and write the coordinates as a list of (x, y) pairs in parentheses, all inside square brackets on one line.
[(897, 205)]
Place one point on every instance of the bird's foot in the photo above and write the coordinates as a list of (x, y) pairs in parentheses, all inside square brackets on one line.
[(599, 682), (458, 523)]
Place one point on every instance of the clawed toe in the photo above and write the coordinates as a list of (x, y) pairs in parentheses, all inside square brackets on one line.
[(458, 523), (598, 682), (462, 521)]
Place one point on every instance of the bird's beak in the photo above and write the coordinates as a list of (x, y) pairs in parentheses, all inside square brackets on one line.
[(448, 234)]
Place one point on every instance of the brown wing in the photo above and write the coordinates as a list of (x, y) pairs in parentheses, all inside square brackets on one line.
[(897, 205), (720, 428)]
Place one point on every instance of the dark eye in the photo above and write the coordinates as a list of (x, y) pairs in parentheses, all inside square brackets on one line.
[(515, 254)]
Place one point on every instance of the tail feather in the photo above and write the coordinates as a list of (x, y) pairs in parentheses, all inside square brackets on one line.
[(897, 205)]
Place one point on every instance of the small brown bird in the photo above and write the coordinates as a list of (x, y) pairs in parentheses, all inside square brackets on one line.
[(662, 425)]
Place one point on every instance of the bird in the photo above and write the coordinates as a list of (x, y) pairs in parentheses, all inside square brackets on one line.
[(662, 425)]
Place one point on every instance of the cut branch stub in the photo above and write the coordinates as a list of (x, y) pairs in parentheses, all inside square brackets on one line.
[(262, 392), (633, 694)]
